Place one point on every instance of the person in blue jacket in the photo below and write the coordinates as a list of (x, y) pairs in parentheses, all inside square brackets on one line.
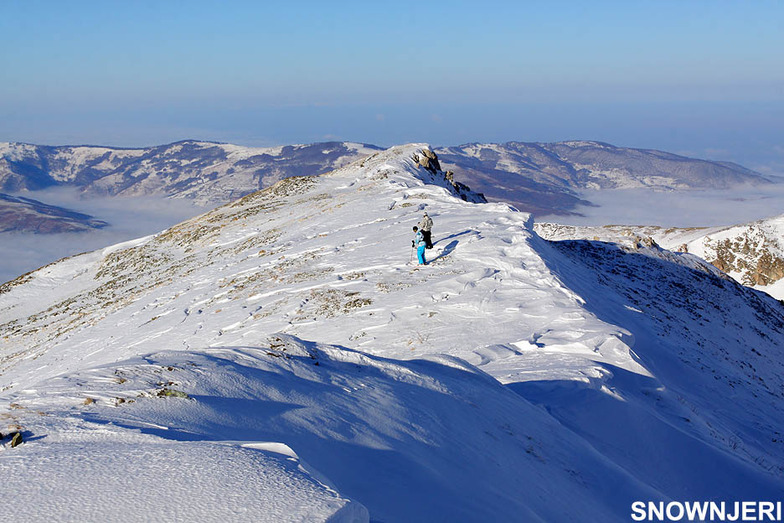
[(419, 243)]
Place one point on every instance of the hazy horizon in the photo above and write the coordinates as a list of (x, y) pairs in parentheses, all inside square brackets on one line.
[(700, 79)]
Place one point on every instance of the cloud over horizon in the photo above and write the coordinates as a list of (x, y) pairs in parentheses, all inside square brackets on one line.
[(696, 208), (129, 218), (132, 218)]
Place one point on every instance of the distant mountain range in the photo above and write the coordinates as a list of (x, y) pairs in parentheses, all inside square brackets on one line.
[(208, 173), (542, 178), (546, 178), (26, 215)]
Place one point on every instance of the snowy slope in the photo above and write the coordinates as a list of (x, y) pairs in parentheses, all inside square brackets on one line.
[(751, 253), (285, 341)]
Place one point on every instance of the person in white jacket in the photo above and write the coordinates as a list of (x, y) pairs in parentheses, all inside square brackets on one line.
[(425, 226)]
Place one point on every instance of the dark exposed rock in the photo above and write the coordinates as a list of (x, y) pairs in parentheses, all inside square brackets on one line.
[(428, 160)]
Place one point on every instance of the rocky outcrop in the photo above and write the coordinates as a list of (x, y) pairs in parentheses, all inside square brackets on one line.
[(638, 242), (428, 160), (749, 254), (769, 269)]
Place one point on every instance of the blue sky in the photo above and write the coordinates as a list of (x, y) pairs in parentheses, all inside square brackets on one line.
[(704, 78)]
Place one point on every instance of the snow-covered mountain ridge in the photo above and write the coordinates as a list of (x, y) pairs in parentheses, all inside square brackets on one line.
[(286, 337), (536, 177), (206, 172), (752, 253)]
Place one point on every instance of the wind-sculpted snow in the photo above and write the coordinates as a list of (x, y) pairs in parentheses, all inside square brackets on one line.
[(508, 374), (104, 474), (704, 337), (413, 439)]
